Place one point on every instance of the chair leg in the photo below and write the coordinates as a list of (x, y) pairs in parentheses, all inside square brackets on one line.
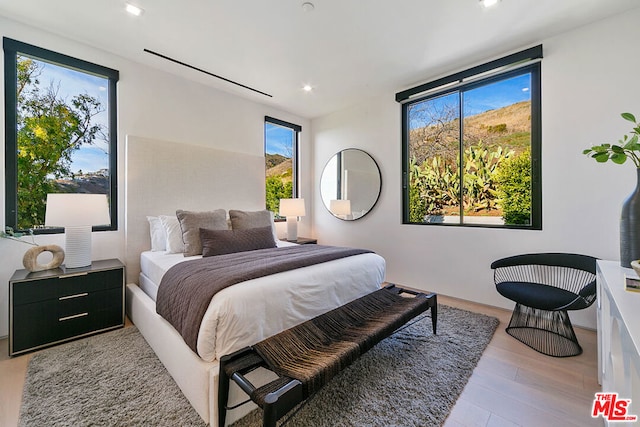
[(547, 332)]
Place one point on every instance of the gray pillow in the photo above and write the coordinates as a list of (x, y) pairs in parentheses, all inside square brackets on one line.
[(192, 222), (221, 242), (241, 220)]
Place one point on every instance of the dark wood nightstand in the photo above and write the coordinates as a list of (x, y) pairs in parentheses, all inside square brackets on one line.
[(302, 241), (52, 306)]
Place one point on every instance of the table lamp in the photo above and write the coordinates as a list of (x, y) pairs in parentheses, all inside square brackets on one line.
[(77, 213), (292, 209), (340, 208)]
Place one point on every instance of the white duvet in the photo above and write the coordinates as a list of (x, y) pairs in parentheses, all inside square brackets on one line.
[(250, 311)]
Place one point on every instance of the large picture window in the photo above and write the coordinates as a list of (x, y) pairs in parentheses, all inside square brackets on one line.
[(60, 132), (471, 147), (281, 157)]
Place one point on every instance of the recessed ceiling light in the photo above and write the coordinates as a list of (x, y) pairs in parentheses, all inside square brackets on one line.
[(134, 10), (488, 3), (308, 6), (307, 88)]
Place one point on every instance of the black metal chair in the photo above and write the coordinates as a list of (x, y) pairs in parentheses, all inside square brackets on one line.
[(544, 286)]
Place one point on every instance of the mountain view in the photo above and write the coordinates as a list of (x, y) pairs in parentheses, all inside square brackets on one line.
[(88, 182), (508, 127)]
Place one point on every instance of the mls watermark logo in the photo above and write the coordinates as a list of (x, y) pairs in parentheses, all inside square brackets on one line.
[(612, 408)]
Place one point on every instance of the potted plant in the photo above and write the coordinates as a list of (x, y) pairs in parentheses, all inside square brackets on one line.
[(626, 148)]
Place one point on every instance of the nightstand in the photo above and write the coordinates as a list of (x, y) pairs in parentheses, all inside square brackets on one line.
[(52, 306), (302, 241)]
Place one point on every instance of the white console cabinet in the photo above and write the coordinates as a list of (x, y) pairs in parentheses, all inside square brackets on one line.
[(618, 334)]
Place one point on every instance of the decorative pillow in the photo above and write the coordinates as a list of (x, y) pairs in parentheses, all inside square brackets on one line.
[(158, 236), (171, 227), (192, 222), (242, 220), (220, 242)]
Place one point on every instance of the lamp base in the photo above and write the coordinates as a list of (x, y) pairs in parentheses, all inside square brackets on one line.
[(292, 228), (77, 246)]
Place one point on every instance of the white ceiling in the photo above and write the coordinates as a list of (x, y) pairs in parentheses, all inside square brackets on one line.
[(347, 50)]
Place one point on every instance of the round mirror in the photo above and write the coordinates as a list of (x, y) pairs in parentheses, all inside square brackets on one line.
[(350, 184)]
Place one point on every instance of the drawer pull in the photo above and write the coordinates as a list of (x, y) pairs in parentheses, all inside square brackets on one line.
[(66, 276), (62, 319), (84, 294)]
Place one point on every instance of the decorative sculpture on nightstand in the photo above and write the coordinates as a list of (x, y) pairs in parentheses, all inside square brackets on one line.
[(30, 259)]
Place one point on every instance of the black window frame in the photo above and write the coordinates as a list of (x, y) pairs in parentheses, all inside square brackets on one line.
[(297, 129), (526, 61), (13, 48)]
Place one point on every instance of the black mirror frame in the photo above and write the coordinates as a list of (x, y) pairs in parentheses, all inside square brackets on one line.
[(375, 202)]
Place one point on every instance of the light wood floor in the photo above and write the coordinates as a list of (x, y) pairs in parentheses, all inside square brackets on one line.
[(511, 386)]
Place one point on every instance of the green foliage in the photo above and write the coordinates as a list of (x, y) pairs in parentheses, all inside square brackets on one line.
[(417, 205), (480, 166), (513, 180), (50, 129), (517, 141), (499, 128), (435, 184), (627, 147), (277, 189)]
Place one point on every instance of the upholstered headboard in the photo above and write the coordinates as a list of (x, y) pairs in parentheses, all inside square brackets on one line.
[(163, 176)]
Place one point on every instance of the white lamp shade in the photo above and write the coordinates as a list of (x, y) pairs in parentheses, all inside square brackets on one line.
[(292, 207), (76, 209), (340, 207)]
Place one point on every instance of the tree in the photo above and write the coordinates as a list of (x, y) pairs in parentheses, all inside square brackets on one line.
[(276, 190), (49, 130), (514, 188)]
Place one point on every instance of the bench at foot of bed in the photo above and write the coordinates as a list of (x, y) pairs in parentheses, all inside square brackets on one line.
[(308, 355)]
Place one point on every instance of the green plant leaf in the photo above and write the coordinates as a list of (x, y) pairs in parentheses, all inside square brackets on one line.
[(601, 157), (617, 149), (629, 116), (587, 151), (618, 158)]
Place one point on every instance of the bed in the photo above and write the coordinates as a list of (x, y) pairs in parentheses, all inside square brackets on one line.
[(241, 314)]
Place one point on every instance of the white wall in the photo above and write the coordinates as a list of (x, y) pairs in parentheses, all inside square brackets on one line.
[(159, 105), (589, 77)]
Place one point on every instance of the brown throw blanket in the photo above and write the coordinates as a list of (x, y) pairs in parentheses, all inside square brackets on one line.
[(186, 289)]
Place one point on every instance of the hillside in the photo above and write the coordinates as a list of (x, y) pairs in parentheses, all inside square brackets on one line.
[(272, 160), (91, 183), (508, 127), (283, 169), (516, 117)]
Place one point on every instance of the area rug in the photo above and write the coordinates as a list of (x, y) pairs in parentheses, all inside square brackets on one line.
[(112, 379), (412, 378)]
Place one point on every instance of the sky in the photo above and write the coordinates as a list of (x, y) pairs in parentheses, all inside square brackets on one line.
[(488, 97), (89, 158), (278, 139)]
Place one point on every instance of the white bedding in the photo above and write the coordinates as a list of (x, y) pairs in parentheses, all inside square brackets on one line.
[(250, 311)]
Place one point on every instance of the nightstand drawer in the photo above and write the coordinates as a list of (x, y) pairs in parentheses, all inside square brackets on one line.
[(88, 302), (50, 321), (65, 286)]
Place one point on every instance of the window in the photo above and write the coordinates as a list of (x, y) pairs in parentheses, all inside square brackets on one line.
[(60, 132), (281, 157), (471, 146)]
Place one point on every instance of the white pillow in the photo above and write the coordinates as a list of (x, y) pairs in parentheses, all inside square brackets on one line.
[(173, 231), (158, 236), (273, 227)]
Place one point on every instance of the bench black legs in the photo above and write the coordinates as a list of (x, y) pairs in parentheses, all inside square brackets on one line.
[(432, 297)]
